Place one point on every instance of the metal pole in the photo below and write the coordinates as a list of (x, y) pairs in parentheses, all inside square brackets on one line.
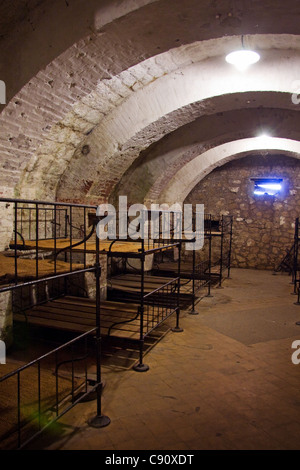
[(193, 311), (296, 249), (230, 246), (71, 238), (100, 420), (177, 328), (221, 254), (84, 234), (141, 367), (209, 263), (37, 241), (16, 229), (55, 215)]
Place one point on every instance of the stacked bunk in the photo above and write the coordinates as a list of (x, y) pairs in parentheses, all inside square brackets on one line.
[(149, 279), (40, 391), (52, 270), (51, 240), (200, 270), (296, 260)]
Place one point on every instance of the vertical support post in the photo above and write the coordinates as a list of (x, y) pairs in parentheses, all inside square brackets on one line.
[(84, 236), (29, 223), (221, 254), (55, 215), (141, 367), (193, 311), (177, 328), (16, 240), (45, 231), (209, 259), (296, 249), (21, 221), (230, 246), (66, 223), (36, 241), (71, 238), (100, 420)]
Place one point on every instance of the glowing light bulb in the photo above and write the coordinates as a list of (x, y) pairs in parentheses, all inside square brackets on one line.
[(242, 59), (265, 141), (274, 186)]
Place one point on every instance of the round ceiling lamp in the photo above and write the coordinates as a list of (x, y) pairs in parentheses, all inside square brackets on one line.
[(242, 58)]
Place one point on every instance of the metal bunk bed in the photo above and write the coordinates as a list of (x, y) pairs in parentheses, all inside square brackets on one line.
[(151, 300), (296, 261), (195, 273), (204, 268), (37, 393), (132, 320)]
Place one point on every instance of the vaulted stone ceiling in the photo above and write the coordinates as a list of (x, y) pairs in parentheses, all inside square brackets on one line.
[(135, 97)]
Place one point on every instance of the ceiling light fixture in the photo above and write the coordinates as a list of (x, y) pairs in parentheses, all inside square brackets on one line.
[(242, 58)]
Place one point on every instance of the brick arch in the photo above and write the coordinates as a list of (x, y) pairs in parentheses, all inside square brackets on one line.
[(51, 115), (191, 174), (41, 134), (160, 162), (161, 107)]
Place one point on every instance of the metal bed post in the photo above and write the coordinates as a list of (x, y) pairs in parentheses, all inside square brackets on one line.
[(66, 223), (296, 250), (16, 230), (141, 367), (193, 311), (177, 328), (71, 239), (84, 234), (36, 241), (29, 223), (100, 420), (209, 260), (221, 254), (45, 228), (55, 215), (230, 246)]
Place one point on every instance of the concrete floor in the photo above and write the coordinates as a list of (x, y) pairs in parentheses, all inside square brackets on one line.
[(226, 382)]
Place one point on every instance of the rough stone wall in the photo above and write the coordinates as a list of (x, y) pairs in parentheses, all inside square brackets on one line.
[(263, 226)]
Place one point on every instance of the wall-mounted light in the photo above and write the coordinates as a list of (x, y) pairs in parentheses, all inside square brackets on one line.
[(267, 186), (242, 58)]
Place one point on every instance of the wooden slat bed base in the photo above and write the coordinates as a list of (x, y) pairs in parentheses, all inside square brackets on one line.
[(127, 288), (132, 283), (169, 268), (76, 314), (89, 247), (27, 268)]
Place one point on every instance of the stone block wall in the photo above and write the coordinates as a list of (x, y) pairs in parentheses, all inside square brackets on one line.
[(263, 226)]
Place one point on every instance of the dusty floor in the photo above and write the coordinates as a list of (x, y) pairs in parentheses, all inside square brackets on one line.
[(226, 382)]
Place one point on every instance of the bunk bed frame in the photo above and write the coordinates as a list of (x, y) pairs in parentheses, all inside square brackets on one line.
[(193, 273), (151, 303), (296, 261), (205, 273), (48, 287), (225, 247)]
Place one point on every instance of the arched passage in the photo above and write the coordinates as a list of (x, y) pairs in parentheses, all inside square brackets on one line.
[(187, 178)]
